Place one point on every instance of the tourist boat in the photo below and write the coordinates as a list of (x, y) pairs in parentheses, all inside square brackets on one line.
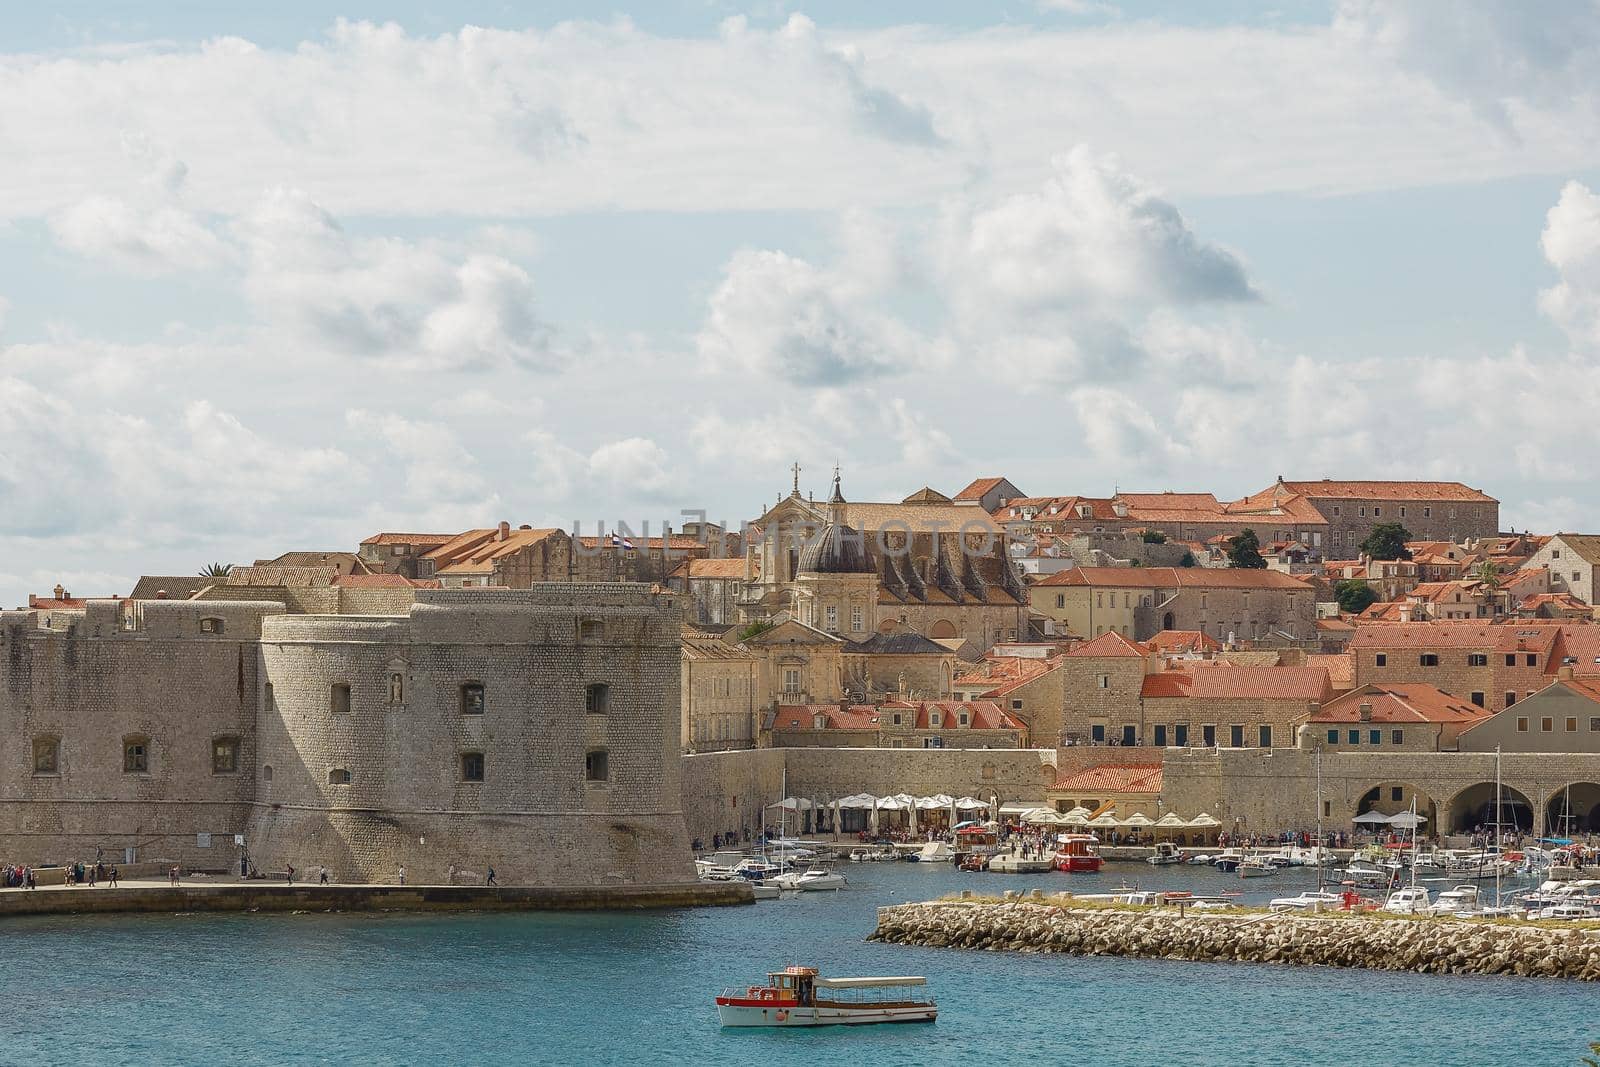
[(1166, 853), (1077, 855), (1311, 900), (1228, 860), (810, 880), (1014, 862), (973, 862), (1256, 867), (1408, 900), (933, 852), (798, 996), (1463, 898)]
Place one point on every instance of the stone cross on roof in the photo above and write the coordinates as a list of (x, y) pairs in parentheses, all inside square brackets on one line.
[(796, 469)]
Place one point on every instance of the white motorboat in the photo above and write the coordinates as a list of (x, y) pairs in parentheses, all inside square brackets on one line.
[(1166, 853), (798, 996), (1463, 898), (1408, 900), (1227, 861), (1256, 867), (1200, 860), (810, 880), (719, 866), (1014, 862), (1310, 900), (933, 852), (1566, 911)]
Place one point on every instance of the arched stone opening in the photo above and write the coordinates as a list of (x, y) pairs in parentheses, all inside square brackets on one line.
[(1475, 807), (1392, 798), (1574, 809), (943, 628)]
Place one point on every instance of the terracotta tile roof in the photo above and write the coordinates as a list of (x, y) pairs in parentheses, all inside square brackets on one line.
[(418, 539), (948, 519), (1584, 687), (676, 543), (313, 559), (1176, 578), (1276, 502), (981, 714), (383, 581), (926, 495), (1114, 778), (477, 556), (1400, 703), (696, 647), (1111, 644), (177, 587), (803, 717), (1176, 641), (712, 568), (995, 670), (1501, 637), (1341, 667), (1170, 501), (1005, 689), (1227, 682), (978, 488), (1587, 546), (1327, 489), (1343, 626)]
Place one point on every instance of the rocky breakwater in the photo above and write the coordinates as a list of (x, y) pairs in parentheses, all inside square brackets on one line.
[(1418, 945)]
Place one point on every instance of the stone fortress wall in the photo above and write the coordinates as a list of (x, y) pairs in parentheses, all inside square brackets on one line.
[(344, 737)]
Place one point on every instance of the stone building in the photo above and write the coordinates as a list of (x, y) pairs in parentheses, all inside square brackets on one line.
[(1571, 560), (399, 553), (1562, 717), (855, 568), (503, 557), (1405, 716), (536, 730), (1431, 511), (713, 587), (1492, 665), (1139, 602), (896, 724), (721, 694)]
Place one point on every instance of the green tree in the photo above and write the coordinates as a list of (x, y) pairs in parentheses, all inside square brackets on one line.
[(1188, 560), (1489, 574), (1244, 551), (216, 570), (1387, 541), (1154, 537), (760, 626), (1354, 595)]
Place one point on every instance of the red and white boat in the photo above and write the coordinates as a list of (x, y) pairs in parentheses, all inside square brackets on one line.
[(1077, 854), (797, 996)]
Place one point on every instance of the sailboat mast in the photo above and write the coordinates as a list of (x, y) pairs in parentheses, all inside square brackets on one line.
[(1497, 810), (1316, 847)]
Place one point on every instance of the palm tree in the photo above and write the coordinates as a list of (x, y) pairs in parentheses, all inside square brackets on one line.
[(1489, 575), (216, 570)]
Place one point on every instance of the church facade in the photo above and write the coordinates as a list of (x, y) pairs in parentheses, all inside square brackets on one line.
[(856, 569)]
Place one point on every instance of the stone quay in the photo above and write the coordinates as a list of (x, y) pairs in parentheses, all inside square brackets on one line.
[(1415, 945)]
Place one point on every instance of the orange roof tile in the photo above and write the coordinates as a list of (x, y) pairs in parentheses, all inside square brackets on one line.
[(978, 488), (1184, 641), (1399, 703), (409, 539), (1114, 778), (1110, 644), (1176, 578), (1327, 489)]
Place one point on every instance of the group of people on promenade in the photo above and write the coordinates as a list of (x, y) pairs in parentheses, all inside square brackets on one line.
[(78, 873)]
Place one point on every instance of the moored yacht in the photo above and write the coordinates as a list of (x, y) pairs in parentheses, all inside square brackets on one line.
[(812, 879), (799, 996), (1166, 853), (1407, 900)]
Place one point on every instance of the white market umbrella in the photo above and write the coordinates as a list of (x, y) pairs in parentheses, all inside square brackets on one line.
[(1105, 822), (1372, 818), (1081, 812), (1407, 821), (1041, 817), (889, 804), (1171, 821), (1138, 820), (933, 803), (1075, 817), (970, 804), (793, 804), (857, 801), (1204, 822)]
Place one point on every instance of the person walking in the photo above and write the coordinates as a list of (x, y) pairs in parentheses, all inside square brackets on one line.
[(290, 874), (402, 874), (451, 875), (489, 878), (113, 876), (322, 878)]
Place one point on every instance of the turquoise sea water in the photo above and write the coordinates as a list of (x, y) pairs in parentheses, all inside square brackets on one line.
[(636, 989)]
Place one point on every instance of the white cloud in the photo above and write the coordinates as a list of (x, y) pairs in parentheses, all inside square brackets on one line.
[(414, 303), (1502, 57), (778, 315), (145, 238), (1571, 242), (586, 117), (1093, 235), (634, 465), (439, 475)]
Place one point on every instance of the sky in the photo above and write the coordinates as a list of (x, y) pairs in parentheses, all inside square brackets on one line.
[(273, 279)]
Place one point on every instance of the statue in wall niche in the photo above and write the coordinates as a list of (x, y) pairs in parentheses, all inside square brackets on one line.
[(902, 683)]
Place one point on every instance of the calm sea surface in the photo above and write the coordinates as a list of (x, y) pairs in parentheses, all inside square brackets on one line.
[(598, 988)]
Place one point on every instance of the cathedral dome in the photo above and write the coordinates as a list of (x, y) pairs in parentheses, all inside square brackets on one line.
[(837, 549)]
